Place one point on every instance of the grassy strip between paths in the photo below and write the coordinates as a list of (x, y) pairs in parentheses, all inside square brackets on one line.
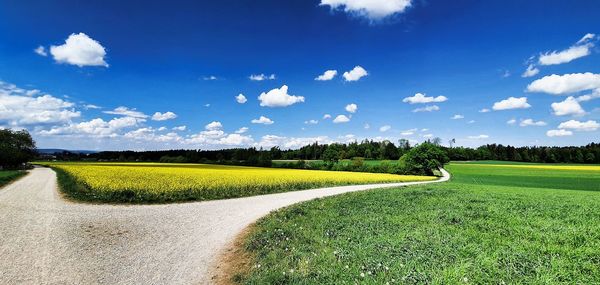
[(480, 228), (7, 176), (157, 183)]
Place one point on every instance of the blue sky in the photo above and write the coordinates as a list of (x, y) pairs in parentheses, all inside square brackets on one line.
[(85, 75)]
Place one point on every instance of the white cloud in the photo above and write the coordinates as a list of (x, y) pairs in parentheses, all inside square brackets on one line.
[(409, 132), (263, 120), (564, 84), (580, 49), (530, 71), (511, 103), (311, 122), (95, 128), (41, 50), (355, 74), (371, 9), (326, 116), (478, 137), (341, 119), (366, 126), (559, 133), (484, 110), (269, 141), (427, 109), (420, 98), (588, 126), (428, 136), (511, 122), (91, 106), (385, 128), (531, 122), (124, 111), (213, 126), (19, 109), (279, 97), (179, 128), (158, 116), (351, 108), (242, 130), (80, 50), (241, 98), (261, 77), (471, 122), (210, 78), (327, 75), (162, 129), (457, 117), (569, 106), (595, 94)]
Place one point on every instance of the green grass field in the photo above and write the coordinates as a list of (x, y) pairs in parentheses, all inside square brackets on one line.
[(491, 224), (7, 176)]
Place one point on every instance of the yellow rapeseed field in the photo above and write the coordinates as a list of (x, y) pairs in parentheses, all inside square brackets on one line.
[(147, 182)]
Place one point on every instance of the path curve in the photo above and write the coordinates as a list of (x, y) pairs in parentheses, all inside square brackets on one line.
[(45, 239)]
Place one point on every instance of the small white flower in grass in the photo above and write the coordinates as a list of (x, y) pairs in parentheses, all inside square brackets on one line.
[(291, 270), (362, 274), (465, 279)]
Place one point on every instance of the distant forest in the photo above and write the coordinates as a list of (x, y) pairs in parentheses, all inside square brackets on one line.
[(366, 149)]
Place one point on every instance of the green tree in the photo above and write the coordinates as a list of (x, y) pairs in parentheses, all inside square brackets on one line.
[(424, 159), (16, 148)]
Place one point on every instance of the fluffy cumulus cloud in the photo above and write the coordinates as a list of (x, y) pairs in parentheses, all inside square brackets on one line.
[(20, 107), (326, 116), (311, 122), (210, 78), (341, 119), (95, 128), (484, 110), (81, 50), (385, 128), (587, 97), (214, 136), (457, 117), (569, 106), (511, 122), (269, 141), (371, 9), (565, 84), (580, 49), (421, 98), (125, 111), (355, 74), (575, 125), (241, 98), (559, 133), (351, 108), (179, 128), (242, 130), (158, 116), (430, 108), (279, 97), (261, 77), (531, 122), (263, 120), (530, 71), (327, 75), (511, 103)]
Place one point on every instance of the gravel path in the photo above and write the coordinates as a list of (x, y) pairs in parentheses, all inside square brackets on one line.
[(47, 240)]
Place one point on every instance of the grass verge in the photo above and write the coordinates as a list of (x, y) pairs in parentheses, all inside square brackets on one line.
[(480, 228), (8, 176)]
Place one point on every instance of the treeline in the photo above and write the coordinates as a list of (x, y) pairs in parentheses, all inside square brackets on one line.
[(366, 149), (541, 154)]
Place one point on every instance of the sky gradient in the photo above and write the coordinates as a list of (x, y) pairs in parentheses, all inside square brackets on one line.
[(150, 75)]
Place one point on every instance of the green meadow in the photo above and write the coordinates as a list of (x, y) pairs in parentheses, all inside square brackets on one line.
[(6, 176), (491, 224)]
